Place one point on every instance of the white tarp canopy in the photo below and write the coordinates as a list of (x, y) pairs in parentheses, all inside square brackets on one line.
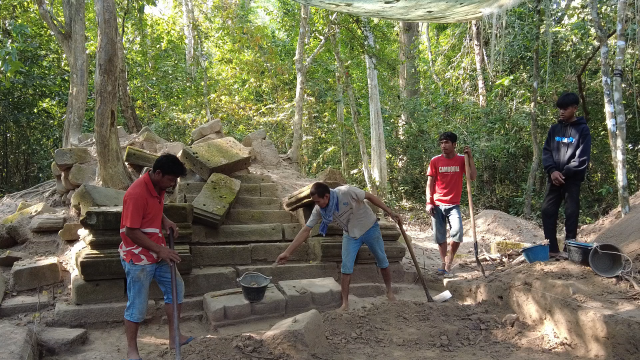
[(437, 11)]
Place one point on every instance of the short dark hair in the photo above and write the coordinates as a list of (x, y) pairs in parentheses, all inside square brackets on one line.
[(319, 189), (170, 165), (567, 100), (448, 135)]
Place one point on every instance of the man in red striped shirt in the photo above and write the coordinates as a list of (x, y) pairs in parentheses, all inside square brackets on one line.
[(143, 252)]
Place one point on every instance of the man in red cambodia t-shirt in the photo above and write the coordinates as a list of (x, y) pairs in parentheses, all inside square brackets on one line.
[(143, 252), (444, 188)]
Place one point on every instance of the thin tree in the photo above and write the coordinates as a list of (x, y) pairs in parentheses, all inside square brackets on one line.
[(408, 74), (71, 36), (126, 103), (340, 105), (378, 147), (111, 169), (352, 106), (302, 65), (535, 79), (188, 19), (427, 40), (477, 47), (613, 105)]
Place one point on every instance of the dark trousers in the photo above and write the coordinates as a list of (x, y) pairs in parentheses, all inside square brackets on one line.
[(570, 193)]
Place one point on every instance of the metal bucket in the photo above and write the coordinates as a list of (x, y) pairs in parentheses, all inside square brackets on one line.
[(254, 285), (606, 260)]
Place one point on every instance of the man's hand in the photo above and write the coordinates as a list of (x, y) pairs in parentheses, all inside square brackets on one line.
[(169, 255), (467, 150), (557, 178), (282, 258), (396, 218), (168, 224), (431, 209)]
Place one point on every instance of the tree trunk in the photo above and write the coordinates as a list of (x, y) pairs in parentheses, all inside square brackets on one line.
[(427, 39), (534, 117), (354, 112), (301, 75), (72, 39), (205, 81), (111, 169), (126, 104), (340, 105), (618, 103), (378, 147), (494, 30), (610, 109), (408, 77), (188, 19), (477, 47)]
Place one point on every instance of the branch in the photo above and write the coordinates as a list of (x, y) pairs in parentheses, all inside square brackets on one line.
[(597, 23), (562, 15), (595, 50), (52, 23), (327, 33)]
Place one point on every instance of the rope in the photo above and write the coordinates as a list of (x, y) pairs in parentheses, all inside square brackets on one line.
[(626, 260)]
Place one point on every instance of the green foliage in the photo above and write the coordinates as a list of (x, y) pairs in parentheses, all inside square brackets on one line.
[(248, 51)]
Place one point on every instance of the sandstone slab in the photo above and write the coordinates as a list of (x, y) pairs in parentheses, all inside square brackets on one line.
[(83, 174), (179, 213), (306, 293), (55, 340), (65, 158), (9, 257), (70, 232), (23, 304), (211, 206), (80, 315), (252, 190), (18, 342), (224, 156), (211, 127), (237, 234), (87, 196), (247, 217), (19, 230), (269, 190), (257, 203), (98, 291), (139, 157), (47, 223), (31, 274), (253, 178), (221, 255), (292, 271), (265, 152), (302, 197), (210, 137), (102, 218), (260, 134), (173, 148), (268, 252), (38, 209)]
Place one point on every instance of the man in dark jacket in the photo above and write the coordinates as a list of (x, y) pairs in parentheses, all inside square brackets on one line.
[(565, 158)]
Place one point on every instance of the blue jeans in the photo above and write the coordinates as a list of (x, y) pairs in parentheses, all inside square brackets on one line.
[(447, 215), (139, 278), (350, 247)]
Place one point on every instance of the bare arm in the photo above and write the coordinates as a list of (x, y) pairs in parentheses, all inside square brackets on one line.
[(140, 239), (430, 190), (302, 236), (377, 202)]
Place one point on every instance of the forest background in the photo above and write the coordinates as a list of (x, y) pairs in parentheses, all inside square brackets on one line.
[(241, 69)]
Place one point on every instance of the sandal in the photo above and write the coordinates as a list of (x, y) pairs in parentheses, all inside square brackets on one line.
[(441, 272)]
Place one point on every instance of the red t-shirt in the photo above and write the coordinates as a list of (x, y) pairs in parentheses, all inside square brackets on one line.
[(447, 174), (141, 209)]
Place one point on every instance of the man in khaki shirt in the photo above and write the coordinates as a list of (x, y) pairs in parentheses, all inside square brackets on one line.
[(345, 206)]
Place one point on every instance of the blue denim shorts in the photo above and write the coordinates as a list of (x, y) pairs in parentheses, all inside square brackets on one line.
[(350, 247), (447, 215), (139, 278)]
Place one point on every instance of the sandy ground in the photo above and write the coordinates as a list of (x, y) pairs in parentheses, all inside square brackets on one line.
[(372, 329)]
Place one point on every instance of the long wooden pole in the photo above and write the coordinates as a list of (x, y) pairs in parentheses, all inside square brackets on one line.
[(407, 241), (473, 220)]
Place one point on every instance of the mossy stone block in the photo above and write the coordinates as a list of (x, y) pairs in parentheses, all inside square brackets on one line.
[(224, 156)]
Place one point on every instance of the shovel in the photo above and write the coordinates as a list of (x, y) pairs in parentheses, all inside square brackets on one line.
[(473, 221), (407, 241), (174, 296)]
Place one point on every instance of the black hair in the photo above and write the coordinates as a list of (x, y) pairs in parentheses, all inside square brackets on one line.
[(567, 100), (169, 164), (319, 189), (448, 135)]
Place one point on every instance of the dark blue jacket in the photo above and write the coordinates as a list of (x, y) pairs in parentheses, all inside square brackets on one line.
[(568, 149)]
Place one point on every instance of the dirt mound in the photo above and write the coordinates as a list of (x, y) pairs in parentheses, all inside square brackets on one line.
[(624, 232), (494, 225)]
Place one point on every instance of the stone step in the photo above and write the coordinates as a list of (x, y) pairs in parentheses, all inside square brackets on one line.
[(198, 282), (259, 190), (330, 249), (219, 255), (237, 234), (253, 178), (257, 203), (105, 264), (293, 271), (389, 230), (247, 217)]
